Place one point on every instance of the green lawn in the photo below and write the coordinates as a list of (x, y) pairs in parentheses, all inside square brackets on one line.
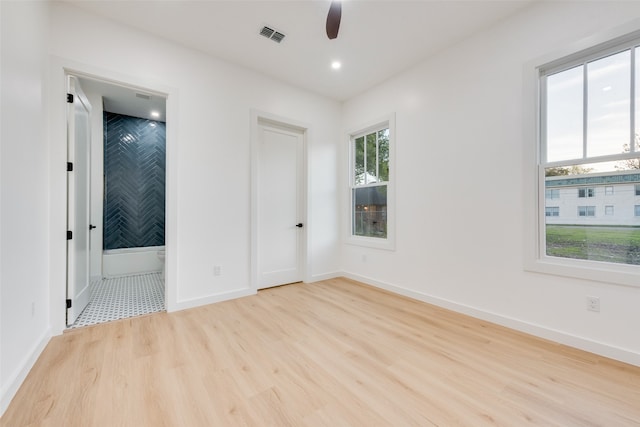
[(611, 244)]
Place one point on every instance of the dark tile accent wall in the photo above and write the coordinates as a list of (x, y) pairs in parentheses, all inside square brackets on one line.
[(134, 174)]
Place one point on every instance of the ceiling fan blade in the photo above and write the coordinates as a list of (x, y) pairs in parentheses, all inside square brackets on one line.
[(333, 19)]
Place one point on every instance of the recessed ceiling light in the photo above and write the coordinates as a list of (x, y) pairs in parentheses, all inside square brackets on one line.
[(336, 65), (155, 114)]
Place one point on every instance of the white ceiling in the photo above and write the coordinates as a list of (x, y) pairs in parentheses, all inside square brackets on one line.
[(123, 100), (377, 39)]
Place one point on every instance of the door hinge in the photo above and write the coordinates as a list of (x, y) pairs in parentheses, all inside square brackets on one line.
[(69, 167), (68, 303), (69, 235), (70, 98)]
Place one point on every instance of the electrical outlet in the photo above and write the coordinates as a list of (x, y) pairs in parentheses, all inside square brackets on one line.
[(217, 270), (593, 304)]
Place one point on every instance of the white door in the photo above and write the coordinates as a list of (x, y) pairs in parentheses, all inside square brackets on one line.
[(78, 200), (280, 232)]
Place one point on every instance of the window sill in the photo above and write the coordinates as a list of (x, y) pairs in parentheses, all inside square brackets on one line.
[(617, 274), (371, 242)]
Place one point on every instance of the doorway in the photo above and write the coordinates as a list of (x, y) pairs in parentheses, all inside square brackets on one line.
[(127, 202), (280, 201)]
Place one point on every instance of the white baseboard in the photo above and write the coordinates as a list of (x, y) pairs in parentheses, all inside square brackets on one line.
[(325, 276), (602, 349), (14, 382), (211, 299)]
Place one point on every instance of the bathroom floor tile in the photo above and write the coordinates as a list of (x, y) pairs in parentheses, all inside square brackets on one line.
[(122, 297)]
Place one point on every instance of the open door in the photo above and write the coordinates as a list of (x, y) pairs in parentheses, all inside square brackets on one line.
[(78, 199)]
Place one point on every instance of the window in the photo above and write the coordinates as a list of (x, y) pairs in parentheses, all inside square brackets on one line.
[(588, 137), (552, 193), (586, 192), (586, 211), (552, 211), (370, 186)]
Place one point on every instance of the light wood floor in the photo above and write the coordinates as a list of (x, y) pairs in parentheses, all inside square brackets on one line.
[(334, 353)]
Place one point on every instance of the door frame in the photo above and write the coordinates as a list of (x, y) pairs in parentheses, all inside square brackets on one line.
[(258, 117), (58, 71), (82, 298)]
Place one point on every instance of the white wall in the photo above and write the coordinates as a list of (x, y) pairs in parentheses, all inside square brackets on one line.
[(24, 273), (460, 229), (208, 143)]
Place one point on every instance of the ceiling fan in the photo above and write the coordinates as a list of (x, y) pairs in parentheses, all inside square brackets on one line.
[(333, 19)]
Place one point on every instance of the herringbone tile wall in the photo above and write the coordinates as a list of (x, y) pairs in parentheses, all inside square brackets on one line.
[(134, 173)]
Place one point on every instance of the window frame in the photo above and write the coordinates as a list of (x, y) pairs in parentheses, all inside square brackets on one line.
[(535, 259), (387, 243)]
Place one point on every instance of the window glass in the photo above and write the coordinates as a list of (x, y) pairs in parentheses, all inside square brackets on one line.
[(586, 192), (552, 193), (370, 211), (565, 115), (552, 211), (359, 160), (383, 155), (608, 119), (586, 210), (371, 159), (576, 231)]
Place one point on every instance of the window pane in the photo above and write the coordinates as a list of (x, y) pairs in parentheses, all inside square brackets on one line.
[(370, 211), (372, 173), (601, 225), (359, 161), (608, 116), (383, 155), (564, 115)]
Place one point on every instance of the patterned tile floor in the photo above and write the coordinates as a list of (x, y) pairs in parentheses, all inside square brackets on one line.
[(122, 297)]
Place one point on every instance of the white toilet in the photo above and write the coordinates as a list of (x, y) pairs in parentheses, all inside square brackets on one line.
[(161, 258)]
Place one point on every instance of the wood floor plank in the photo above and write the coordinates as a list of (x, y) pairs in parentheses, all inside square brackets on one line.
[(333, 353)]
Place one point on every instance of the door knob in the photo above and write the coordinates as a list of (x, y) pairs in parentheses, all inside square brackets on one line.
[(91, 227), (299, 225)]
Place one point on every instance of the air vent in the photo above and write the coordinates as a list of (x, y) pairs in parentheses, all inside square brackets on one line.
[(143, 96), (277, 37), (272, 34)]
